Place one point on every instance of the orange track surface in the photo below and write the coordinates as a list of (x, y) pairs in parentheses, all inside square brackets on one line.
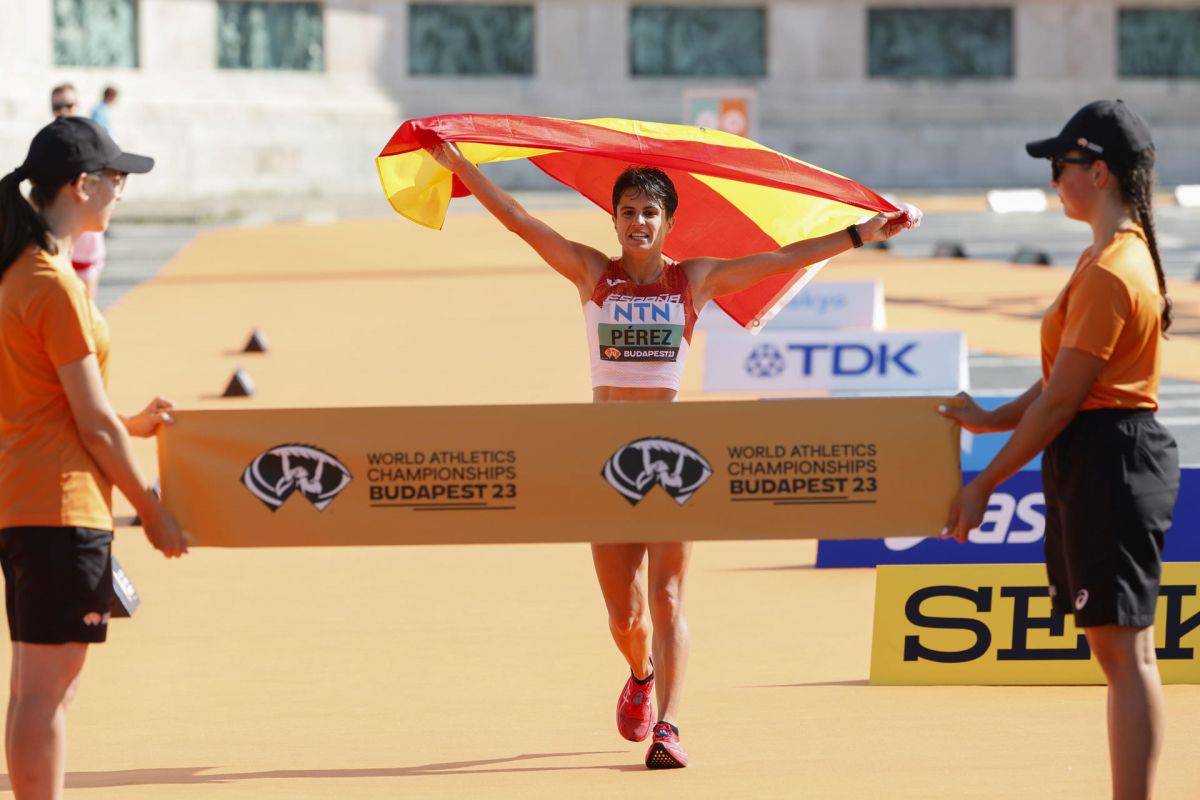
[(488, 671)]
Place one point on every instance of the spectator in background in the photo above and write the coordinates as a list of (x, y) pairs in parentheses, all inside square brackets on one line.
[(89, 254), (100, 113), (63, 100)]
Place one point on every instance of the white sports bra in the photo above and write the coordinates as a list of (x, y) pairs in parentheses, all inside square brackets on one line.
[(639, 334)]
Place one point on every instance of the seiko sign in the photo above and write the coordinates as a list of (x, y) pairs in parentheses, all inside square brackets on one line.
[(783, 361), (992, 624)]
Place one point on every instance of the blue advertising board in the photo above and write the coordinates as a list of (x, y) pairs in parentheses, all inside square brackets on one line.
[(978, 449), (1015, 524), (1012, 532)]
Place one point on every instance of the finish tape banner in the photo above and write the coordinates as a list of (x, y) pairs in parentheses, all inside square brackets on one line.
[(621, 472), (991, 625)]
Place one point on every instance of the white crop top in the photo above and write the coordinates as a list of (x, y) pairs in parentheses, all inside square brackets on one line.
[(639, 334)]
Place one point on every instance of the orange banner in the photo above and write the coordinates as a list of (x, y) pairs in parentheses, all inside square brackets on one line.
[(642, 472)]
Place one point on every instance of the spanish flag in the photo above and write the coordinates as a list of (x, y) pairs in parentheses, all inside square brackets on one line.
[(736, 197)]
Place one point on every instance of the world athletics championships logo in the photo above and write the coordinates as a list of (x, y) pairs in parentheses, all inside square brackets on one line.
[(275, 474), (765, 361), (641, 465)]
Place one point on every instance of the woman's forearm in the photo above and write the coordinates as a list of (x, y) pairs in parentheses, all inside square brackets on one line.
[(1008, 416), (108, 444), (499, 203), (1041, 422), (807, 252)]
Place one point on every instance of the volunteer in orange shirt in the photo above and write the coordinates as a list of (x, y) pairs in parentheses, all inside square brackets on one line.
[(62, 447), (1110, 471)]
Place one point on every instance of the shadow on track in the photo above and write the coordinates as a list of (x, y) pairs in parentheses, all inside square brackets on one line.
[(177, 776)]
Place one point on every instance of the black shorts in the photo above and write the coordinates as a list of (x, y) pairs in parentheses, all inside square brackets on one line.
[(1110, 479), (57, 583)]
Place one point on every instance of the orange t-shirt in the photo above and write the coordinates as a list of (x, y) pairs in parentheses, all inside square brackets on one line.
[(1111, 308), (47, 477)]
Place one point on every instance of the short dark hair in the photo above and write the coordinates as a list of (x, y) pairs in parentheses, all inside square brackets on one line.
[(62, 87), (650, 181), (110, 93)]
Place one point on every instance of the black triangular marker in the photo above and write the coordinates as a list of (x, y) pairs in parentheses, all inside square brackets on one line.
[(257, 343), (240, 385)]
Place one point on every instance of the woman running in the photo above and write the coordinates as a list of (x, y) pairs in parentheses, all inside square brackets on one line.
[(62, 447), (1110, 471), (642, 359)]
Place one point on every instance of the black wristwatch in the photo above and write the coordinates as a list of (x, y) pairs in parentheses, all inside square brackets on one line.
[(855, 237)]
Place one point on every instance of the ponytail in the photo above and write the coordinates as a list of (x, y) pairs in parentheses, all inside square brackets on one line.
[(1137, 185), (20, 223)]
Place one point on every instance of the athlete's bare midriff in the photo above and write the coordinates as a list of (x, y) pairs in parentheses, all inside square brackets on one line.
[(625, 394)]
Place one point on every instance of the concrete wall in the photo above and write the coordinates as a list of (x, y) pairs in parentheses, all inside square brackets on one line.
[(301, 135), (214, 132)]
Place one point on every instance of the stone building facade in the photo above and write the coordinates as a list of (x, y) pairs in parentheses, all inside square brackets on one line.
[(263, 97)]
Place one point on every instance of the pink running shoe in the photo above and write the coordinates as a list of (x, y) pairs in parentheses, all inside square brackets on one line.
[(665, 752), (635, 709)]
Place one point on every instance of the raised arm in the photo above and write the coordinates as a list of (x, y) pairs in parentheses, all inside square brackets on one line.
[(580, 264), (714, 277)]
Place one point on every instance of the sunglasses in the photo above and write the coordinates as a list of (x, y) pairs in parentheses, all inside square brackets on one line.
[(61, 106), (116, 178), (1056, 164)]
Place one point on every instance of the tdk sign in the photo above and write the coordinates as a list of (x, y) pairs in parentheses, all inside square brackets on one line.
[(766, 360), (925, 361)]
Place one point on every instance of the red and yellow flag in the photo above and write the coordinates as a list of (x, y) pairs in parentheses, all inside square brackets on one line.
[(736, 197)]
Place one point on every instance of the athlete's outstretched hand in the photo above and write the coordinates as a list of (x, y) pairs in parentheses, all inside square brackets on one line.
[(447, 154), (884, 226), (912, 213)]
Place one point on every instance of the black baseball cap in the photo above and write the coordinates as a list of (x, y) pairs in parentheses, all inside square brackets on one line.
[(71, 145), (1108, 128)]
